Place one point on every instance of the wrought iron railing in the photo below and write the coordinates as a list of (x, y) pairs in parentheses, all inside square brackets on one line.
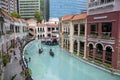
[(98, 3)]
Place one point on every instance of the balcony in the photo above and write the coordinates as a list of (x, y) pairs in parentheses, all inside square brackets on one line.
[(82, 34), (106, 35), (100, 4), (76, 33), (94, 34), (66, 34), (9, 32)]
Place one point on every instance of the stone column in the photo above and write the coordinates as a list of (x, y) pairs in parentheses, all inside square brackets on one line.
[(103, 56), (71, 45), (71, 37), (78, 47), (94, 51), (85, 50), (99, 30)]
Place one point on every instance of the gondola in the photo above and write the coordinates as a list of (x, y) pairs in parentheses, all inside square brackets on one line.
[(40, 50), (51, 53)]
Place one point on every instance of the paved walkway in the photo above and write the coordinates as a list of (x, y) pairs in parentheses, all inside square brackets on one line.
[(13, 67)]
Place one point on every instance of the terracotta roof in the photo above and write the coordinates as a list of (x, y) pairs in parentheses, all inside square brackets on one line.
[(41, 25), (31, 19), (5, 14), (23, 20), (79, 16), (67, 17), (52, 25), (11, 18), (15, 19)]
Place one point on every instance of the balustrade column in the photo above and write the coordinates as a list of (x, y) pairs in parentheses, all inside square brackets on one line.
[(99, 30)]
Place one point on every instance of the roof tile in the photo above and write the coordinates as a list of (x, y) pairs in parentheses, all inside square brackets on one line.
[(79, 16)]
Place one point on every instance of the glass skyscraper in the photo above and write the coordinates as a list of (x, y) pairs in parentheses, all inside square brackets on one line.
[(59, 8)]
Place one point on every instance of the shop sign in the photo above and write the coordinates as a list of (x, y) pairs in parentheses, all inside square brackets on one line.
[(100, 17)]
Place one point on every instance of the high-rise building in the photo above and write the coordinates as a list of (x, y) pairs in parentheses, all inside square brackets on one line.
[(46, 10), (81, 6), (59, 8), (8, 5), (27, 8)]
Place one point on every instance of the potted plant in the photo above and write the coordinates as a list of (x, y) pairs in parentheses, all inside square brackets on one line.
[(26, 73)]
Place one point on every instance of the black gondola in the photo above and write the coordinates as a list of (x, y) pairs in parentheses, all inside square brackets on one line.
[(40, 51), (51, 53)]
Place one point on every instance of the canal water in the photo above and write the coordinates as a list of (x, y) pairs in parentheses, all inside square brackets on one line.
[(62, 66)]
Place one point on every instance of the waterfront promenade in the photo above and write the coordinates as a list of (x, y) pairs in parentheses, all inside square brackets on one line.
[(13, 67)]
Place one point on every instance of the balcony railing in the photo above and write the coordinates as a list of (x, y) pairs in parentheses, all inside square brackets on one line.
[(98, 4), (66, 34), (81, 51), (82, 33), (94, 34), (75, 32), (9, 32), (106, 35)]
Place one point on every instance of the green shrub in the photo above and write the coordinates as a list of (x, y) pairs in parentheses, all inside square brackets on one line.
[(107, 65), (26, 73), (97, 61), (89, 58), (5, 59)]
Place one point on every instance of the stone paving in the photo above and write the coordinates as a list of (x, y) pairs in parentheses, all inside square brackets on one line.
[(13, 67)]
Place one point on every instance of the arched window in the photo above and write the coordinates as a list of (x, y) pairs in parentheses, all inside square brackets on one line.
[(99, 52), (108, 56)]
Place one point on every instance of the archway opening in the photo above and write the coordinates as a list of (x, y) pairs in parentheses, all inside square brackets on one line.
[(99, 52), (108, 56)]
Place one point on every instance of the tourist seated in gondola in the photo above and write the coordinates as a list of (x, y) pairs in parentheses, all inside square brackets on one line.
[(40, 50), (51, 52)]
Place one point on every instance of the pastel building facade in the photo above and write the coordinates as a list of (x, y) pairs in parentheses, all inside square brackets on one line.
[(10, 30), (42, 30), (103, 41), (73, 33), (47, 31)]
